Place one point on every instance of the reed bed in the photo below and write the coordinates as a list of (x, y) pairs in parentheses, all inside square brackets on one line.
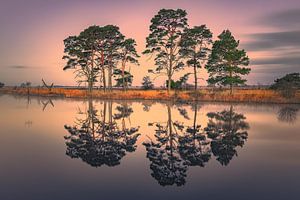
[(239, 95)]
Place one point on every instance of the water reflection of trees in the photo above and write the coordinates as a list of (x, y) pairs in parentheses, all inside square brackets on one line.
[(288, 114), (167, 166), (178, 146), (227, 130), (194, 144), (98, 138)]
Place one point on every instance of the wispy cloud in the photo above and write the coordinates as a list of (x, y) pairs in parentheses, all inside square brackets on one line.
[(274, 69), (282, 19), (273, 40), (281, 45), (19, 67), (288, 60)]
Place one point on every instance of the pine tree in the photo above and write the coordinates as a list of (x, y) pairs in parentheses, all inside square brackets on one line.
[(195, 45), (227, 63), (163, 41)]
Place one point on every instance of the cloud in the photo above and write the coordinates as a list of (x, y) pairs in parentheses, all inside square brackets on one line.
[(283, 43), (285, 60), (18, 67), (274, 69), (282, 19), (273, 40)]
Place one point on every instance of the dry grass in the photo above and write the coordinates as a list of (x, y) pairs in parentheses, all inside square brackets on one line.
[(240, 95)]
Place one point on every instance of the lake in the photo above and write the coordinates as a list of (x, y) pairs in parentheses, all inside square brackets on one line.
[(94, 149)]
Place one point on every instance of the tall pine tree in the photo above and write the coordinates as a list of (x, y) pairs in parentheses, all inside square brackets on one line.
[(195, 47), (163, 41), (227, 63)]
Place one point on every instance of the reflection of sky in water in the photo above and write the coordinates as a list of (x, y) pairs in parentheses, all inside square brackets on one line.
[(34, 164)]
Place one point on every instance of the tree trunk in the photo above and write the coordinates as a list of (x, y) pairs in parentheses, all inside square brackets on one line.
[(91, 117), (103, 71), (104, 112), (90, 85), (195, 122), (195, 116), (109, 74), (170, 124), (230, 118), (195, 76), (91, 75), (170, 69), (104, 79), (169, 83), (109, 78), (230, 75), (123, 75), (110, 113)]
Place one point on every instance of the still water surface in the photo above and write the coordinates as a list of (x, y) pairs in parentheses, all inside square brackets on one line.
[(93, 149)]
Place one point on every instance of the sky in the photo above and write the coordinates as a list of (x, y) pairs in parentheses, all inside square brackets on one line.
[(32, 34)]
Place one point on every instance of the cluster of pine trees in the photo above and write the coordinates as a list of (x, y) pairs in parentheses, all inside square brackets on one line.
[(95, 54), (99, 53)]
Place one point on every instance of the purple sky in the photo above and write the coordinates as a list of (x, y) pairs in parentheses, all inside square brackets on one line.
[(32, 33)]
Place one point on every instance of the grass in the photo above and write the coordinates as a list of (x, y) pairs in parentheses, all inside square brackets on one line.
[(239, 95)]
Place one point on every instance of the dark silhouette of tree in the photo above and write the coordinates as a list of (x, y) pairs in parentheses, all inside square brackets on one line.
[(100, 141), (181, 83), (194, 146), (2, 85), (168, 168), (128, 54), (226, 62), (123, 112), (195, 46), (287, 85), (96, 52), (183, 113), (288, 114), (227, 130), (147, 105), (112, 47), (123, 78), (163, 41), (81, 55), (147, 83)]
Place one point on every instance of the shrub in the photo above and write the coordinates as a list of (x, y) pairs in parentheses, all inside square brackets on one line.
[(287, 85)]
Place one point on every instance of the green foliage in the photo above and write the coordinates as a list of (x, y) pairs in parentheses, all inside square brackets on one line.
[(195, 43), (80, 54), (147, 83), (94, 50), (287, 85), (163, 41), (128, 54), (180, 83), (227, 63), (122, 80)]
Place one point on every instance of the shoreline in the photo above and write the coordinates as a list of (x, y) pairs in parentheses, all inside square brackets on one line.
[(202, 95)]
